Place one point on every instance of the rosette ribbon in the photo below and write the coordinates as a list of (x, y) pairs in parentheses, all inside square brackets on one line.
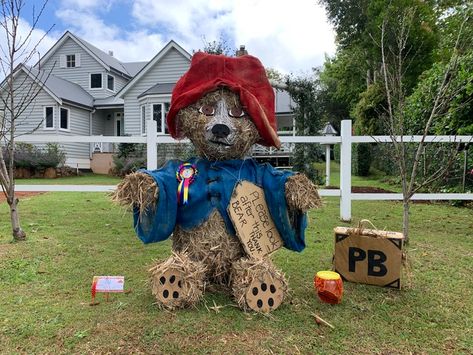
[(185, 176)]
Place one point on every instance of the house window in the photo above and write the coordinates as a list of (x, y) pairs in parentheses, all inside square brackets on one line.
[(49, 117), (143, 119), (95, 81), (64, 119), (160, 112), (71, 61), (110, 82)]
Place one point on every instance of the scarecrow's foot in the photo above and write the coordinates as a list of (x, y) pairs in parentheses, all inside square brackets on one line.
[(258, 285), (177, 282)]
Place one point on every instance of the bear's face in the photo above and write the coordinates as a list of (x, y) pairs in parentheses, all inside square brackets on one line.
[(218, 126)]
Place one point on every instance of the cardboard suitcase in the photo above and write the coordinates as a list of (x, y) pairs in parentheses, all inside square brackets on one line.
[(369, 256)]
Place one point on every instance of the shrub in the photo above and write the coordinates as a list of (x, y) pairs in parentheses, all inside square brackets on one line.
[(129, 157), (31, 157), (362, 159)]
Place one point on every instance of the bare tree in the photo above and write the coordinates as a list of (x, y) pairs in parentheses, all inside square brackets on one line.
[(408, 156), (17, 92)]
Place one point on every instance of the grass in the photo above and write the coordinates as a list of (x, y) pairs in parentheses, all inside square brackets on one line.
[(84, 179), (375, 179), (45, 288)]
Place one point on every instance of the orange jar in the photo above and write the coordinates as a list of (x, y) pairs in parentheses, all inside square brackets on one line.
[(329, 286)]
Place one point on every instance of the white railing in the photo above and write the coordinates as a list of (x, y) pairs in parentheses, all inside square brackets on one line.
[(345, 140)]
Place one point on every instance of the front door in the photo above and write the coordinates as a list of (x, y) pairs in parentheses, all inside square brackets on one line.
[(119, 123)]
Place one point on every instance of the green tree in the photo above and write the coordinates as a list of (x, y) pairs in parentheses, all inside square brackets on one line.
[(304, 93), (219, 47)]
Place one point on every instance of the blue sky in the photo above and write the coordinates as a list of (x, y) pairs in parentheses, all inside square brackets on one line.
[(291, 36)]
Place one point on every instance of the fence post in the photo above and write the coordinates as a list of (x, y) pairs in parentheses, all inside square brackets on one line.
[(327, 165), (151, 145), (345, 171)]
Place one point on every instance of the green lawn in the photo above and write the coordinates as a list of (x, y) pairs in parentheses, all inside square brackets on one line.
[(45, 288), (83, 179), (375, 179)]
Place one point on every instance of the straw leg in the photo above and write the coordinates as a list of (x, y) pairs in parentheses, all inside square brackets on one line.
[(257, 285), (177, 282)]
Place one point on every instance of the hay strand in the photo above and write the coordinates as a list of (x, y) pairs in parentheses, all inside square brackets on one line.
[(136, 190), (301, 193), (211, 244)]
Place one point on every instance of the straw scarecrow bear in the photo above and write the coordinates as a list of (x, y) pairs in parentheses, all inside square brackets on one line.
[(224, 105)]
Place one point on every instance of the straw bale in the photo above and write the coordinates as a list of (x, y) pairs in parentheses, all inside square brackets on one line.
[(247, 271), (178, 282), (136, 190), (211, 244), (301, 193), (193, 126)]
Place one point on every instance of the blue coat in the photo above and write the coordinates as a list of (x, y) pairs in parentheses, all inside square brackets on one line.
[(212, 189)]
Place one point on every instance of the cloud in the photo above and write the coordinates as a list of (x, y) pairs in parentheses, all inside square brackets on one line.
[(290, 36), (36, 43)]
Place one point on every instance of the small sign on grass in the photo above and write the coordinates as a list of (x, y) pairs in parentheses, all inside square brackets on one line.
[(107, 284)]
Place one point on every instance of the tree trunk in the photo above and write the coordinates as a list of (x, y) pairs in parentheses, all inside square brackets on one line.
[(405, 221), (18, 233)]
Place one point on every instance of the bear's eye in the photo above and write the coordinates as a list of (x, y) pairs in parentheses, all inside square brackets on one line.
[(236, 112), (207, 110)]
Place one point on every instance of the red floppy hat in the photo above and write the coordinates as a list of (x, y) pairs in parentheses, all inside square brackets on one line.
[(243, 75)]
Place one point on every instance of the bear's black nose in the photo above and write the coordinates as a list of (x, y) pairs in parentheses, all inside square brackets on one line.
[(220, 130)]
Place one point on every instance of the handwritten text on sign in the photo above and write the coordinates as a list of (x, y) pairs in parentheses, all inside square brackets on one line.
[(253, 223)]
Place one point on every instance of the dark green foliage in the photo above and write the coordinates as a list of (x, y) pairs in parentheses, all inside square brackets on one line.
[(129, 157), (369, 111), (363, 159), (342, 79), (346, 78), (31, 157), (304, 93), (456, 115)]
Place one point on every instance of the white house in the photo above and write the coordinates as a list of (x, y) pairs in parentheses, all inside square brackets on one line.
[(85, 91)]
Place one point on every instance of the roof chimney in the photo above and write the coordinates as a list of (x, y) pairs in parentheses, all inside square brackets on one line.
[(110, 53), (241, 51)]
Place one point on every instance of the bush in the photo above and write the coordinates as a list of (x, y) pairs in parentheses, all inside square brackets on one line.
[(362, 159), (129, 158), (31, 157)]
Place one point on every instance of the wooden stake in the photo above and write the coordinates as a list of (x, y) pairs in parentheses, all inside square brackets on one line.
[(323, 321)]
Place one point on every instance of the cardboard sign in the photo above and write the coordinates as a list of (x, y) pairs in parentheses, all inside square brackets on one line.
[(108, 284), (369, 256), (252, 221)]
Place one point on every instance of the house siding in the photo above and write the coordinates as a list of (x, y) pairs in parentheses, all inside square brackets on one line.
[(168, 70), (79, 123), (31, 120), (80, 75)]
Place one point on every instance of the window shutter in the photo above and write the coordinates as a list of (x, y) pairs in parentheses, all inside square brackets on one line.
[(78, 60), (62, 61)]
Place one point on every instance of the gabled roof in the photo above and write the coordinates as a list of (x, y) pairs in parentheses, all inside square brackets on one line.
[(134, 67), (58, 88), (111, 101), (106, 60), (164, 88), (152, 62)]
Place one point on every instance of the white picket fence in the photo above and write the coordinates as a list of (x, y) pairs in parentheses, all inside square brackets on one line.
[(346, 139)]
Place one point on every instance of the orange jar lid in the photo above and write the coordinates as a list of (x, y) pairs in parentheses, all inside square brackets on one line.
[(328, 275)]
